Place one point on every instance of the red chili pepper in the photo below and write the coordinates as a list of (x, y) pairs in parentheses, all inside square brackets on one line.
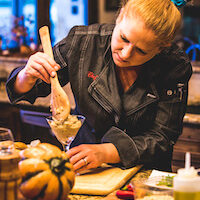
[(128, 187), (125, 194)]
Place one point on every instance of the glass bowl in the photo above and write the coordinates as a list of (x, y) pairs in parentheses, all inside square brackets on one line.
[(66, 131), (151, 188)]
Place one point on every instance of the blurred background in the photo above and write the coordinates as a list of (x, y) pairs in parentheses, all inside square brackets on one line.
[(19, 24), (20, 20)]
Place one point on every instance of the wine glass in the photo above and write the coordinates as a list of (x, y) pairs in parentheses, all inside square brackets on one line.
[(6, 142), (66, 131)]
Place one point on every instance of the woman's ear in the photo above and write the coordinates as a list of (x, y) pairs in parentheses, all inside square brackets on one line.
[(120, 16)]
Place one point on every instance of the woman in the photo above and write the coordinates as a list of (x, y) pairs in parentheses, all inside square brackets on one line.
[(129, 81)]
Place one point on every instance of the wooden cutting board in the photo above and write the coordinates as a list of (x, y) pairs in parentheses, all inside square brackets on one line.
[(103, 180)]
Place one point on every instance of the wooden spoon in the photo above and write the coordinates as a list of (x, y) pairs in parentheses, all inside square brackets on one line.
[(59, 102)]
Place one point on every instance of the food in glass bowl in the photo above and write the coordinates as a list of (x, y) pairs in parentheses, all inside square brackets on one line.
[(150, 189)]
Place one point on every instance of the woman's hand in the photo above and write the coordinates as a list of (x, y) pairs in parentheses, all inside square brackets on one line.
[(87, 156), (39, 65)]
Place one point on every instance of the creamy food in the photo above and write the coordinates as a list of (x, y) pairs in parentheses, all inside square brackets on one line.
[(59, 110), (66, 129)]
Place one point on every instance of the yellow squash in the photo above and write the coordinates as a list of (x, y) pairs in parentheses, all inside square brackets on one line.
[(46, 173)]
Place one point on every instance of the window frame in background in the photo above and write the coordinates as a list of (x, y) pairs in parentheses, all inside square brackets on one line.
[(42, 13)]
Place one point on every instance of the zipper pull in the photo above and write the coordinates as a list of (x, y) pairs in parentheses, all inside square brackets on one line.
[(180, 90), (116, 119)]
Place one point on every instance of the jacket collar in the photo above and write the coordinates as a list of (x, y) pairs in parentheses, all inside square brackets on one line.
[(105, 91), (141, 94)]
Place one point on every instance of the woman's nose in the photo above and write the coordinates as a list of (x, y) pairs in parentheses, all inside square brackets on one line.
[(127, 51)]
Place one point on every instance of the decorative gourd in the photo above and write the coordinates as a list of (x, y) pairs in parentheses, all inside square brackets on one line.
[(46, 173)]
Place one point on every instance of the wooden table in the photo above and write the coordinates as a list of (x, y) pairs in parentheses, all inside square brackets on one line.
[(141, 174)]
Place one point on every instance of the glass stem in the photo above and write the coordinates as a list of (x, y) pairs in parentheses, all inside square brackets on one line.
[(67, 144), (63, 147), (67, 147)]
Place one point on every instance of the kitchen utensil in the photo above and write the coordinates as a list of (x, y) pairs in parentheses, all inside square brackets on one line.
[(60, 105), (102, 180)]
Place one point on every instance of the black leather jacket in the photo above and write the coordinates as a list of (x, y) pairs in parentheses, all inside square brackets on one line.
[(144, 122)]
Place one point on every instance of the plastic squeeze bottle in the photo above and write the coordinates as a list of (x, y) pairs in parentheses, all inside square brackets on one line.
[(186, 183)]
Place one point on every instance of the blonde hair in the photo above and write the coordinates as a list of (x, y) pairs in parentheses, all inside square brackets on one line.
[(161, 16)]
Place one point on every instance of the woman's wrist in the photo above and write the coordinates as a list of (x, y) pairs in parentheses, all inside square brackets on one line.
[(23, 82), (111, 153)]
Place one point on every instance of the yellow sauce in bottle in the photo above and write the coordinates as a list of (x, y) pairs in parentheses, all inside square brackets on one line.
[(186, 195), (186, 184)]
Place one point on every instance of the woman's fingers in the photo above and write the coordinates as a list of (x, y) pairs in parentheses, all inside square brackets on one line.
[(42, 74), (38, 71), (85, 157), (81, 165), (41, 66), (84, 167), (46, 62), (76, 157), (79, 159)]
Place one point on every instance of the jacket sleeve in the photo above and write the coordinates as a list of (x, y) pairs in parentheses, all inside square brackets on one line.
[(42, 89), (156, 143)]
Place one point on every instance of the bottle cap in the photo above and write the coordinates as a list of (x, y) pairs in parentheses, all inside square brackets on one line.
[(188, 171)]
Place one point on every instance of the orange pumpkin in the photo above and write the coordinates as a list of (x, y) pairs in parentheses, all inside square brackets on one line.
[(46, 173)]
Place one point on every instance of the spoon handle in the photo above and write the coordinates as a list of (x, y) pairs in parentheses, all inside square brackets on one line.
[(59, 103), (47, 48), (45, 39)]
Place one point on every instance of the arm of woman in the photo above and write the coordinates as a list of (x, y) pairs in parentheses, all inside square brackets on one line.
[(38, 66), (32, 81), (87, 156)]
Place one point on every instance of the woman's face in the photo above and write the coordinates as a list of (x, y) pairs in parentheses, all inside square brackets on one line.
[(132, 44)]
